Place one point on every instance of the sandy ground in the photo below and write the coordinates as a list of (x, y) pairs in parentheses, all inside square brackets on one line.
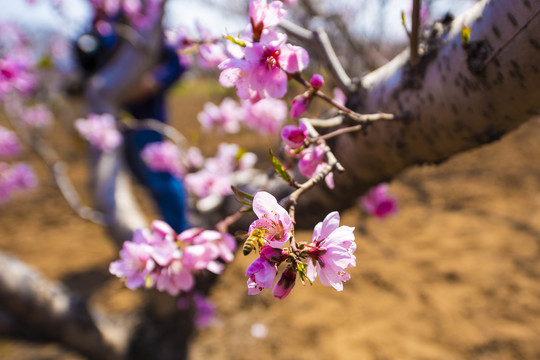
[(454, 276)]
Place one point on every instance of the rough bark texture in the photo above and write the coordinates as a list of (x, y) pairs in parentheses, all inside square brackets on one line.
[(453, 104)]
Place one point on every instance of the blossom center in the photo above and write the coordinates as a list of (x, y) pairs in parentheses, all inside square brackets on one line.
[(270, 58)]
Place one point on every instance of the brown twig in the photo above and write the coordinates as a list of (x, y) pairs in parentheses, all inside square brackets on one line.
[(512, 38), (415, 28)]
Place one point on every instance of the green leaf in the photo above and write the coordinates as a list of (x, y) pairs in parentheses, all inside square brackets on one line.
[(235, 40), (45, 62), (243, 198), (241, 152), (279, 168), (302, 272), (403, 20), (465, 35), (250, 210)]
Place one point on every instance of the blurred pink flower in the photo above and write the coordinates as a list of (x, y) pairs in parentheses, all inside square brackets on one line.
[(312, 162), (378, 202), (134, 265), (220, 172), (9, 143), (38, 116), (168, 262), (211, 52), (264, 16), (299, 105), (15, 179), (15, 75), (331, 252), (174, 278), (100, 131), (266, 116), (339, 96), (163, 156), (225, 117), (205, 183), (194, 158), (205, 311)]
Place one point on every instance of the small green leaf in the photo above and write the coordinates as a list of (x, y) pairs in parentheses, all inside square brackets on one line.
[(241, 152), (241, 194), (465, 35), (302, 272), (249, 210), (243, 198), (403, 20), (45, 62), (235, 40), (280, 169)]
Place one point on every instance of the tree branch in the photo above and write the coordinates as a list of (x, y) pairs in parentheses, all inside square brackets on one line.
[(452, 108), (54, 314)]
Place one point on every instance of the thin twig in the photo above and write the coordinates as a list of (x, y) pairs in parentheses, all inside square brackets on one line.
[(512, 38), (156, 125), (364, 118), (415, 28), (320, 39), (292, 199), (334, 65), (326, 123), (223, 225), (59, 173), (332, 161), (338, 132)]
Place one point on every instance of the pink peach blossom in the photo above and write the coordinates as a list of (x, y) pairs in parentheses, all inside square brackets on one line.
[(331, 252), (273, 219), (261, 276)]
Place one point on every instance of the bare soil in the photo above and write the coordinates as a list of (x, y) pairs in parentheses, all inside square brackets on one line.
[(454, 276)]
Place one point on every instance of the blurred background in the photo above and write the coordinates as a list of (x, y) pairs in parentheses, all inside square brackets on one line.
[(453, 275)]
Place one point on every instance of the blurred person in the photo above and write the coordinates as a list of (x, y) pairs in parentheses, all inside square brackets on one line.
[(146, 101)]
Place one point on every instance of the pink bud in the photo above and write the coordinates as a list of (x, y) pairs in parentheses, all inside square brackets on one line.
[(294, 136), (299, 105), (317, 81), (285, 283), (274, 256), (315, 252)]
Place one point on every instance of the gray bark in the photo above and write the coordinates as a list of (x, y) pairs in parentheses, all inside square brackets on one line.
[(39, 309)]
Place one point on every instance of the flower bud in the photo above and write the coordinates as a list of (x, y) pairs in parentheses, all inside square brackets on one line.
[(314, 251), (274, 256), (299, 105), (294, 136), (285, 283), (317, 81)]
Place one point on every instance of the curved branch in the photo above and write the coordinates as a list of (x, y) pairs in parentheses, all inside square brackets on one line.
[(54, 314), (59, 172), (319, 39), (452, 107)]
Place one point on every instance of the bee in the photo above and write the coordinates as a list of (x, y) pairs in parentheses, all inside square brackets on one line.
[(253, 239)]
